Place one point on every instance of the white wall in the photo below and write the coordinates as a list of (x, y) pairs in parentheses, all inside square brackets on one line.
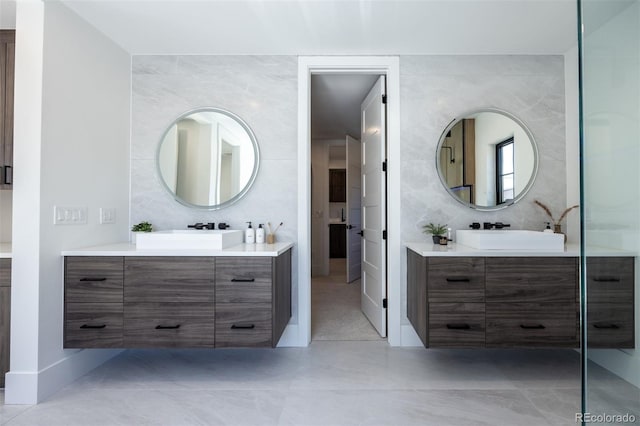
[(71, 149), (611, 100), (7, 14)]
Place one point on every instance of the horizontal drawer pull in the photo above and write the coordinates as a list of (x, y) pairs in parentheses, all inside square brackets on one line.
[(243, 280), (606, 279), (93, 279), (532, 326), (93, 326), (458, 280), (167, 327), (243, 326), (458, 326), (606, 326)]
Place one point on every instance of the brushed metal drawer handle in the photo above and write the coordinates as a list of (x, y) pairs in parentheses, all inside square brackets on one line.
[(532, 326), (93, 326), (606, 279), (458, 280), (458, 326), (93, 279), (606, 326), (167, 327), (243, 326), (242, 280)]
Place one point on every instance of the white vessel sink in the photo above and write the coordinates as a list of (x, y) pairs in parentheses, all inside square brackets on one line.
[(189, 239), (510, 240)]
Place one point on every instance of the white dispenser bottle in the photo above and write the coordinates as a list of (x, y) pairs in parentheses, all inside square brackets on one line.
[(250, 235), (260, 234)]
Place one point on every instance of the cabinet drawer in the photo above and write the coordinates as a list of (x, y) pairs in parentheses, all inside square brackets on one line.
[(610, 279), (455, 279), (5, 272), (532, 325), (610, 325), (244, 280), (93, 325), (93, 279), (243, 325), (532, 279), (167, 325), (456, 325), (169, 279)]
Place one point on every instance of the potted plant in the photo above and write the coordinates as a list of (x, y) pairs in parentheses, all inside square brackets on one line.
[(140, 227), (438, 232)]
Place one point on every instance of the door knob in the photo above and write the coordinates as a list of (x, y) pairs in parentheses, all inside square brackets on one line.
[(361, 233), (350, 226)]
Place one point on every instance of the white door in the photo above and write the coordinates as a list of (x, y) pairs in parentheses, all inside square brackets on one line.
[(374, 286), (354, 179)]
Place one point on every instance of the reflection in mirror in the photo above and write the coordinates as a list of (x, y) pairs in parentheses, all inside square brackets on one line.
[(208, 158), (487, 159)]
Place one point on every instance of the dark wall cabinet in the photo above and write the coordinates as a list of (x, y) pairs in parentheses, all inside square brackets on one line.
[(337, 186), (186, 302), (519, 301), (5, 316), (337, 241), (7, 72)]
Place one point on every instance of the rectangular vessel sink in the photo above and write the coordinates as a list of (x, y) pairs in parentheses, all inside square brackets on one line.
[(189, 239), (510, 240)]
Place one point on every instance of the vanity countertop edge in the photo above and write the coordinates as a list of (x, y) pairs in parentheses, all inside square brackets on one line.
[(5, 251), (427, 249), (127, 249)]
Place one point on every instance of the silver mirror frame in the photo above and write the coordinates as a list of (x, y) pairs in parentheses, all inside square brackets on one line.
[(534, 146), (256, 153)]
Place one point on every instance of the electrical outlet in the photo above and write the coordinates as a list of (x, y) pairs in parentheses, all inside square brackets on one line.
[(107, 215), (69, 215)]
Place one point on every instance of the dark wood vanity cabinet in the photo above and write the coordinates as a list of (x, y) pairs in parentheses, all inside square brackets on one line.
[(337, 241), (7, 73), (610, 302), (493, 301), (5, 316), (161, 302)]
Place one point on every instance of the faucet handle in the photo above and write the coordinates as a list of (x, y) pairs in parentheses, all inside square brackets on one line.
[(475, 225), (487, 225)]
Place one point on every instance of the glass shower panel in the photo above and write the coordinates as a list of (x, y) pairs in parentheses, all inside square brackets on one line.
[(610, 96)]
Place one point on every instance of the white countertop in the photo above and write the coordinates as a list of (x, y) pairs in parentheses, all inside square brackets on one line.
[(571, 250), (5, 250), (127, 249)]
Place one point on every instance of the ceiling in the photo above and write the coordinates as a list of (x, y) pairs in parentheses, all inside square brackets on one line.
[(336, 27)]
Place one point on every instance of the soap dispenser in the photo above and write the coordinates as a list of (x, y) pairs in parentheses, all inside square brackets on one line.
[(250, 235), (548, 228), (260, 234)]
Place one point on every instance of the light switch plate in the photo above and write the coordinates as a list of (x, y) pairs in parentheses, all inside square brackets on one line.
[(107, 215), (69, 215)]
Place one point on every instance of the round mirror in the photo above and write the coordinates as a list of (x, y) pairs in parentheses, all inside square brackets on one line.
[(208, 158), (487, 159)]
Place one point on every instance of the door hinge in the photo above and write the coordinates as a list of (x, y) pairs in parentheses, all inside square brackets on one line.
[(384, 234), (384, 99), (384, 303), (384, 166)]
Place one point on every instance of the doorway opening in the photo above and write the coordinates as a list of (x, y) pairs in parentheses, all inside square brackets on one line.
[(348, 206)]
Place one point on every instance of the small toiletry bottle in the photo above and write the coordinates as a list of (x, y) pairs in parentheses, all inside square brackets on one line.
[(548, 228), (260, 235), (250, 235)]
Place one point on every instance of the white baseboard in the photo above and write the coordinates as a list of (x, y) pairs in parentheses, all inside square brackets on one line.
[(32, 387), (291, 338), (409, 337)]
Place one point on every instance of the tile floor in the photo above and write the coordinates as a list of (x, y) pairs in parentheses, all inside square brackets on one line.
[(335, 307)]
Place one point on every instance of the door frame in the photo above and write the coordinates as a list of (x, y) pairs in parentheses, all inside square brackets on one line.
[(390, 67)]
